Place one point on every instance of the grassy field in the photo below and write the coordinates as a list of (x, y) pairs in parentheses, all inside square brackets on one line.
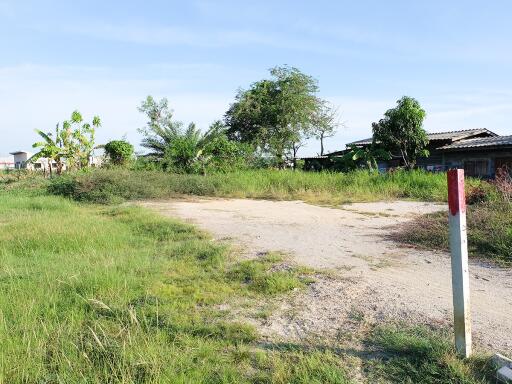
[(98, 294), (114, 185)]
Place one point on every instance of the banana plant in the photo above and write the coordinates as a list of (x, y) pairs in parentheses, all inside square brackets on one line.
[(369, 155), (74, 143), (51, 149)]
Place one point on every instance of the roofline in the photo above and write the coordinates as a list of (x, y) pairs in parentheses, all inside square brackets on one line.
[(17, 152), (476, 148), (469, 132)]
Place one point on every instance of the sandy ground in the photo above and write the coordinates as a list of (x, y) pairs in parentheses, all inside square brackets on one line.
[(370, 276)]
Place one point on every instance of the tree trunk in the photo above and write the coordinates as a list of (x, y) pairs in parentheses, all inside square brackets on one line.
[(321, 144)]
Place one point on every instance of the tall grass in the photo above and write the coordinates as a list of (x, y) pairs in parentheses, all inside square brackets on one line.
[(112, 185), (489, 231), (119, 295)]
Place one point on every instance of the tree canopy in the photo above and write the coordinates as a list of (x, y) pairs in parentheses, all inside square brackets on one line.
[(119, 151), (276, 114), (401, 131)]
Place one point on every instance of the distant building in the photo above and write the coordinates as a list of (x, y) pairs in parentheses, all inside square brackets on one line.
[(20, 160), (479, 151), (6, 162)]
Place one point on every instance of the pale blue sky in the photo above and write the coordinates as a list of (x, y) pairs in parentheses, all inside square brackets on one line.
[(104, 57)]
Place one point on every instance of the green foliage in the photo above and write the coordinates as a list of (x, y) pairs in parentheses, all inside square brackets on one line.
[(188, 151), (74, 143), (105, 186), (274, 115), (182, 155), (161, 129), (223, 155), (119, 152), (79, 140), (120, 295), (401, 131), (51, 149), (367, 155), (419, 355)]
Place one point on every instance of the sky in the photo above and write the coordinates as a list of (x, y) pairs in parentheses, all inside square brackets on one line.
[(104, 57)]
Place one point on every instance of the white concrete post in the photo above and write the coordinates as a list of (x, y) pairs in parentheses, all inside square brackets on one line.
[(459, 252)]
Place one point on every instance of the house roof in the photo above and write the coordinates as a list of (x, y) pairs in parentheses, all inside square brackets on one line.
[(450, 135), (17, 152), (480, 142)]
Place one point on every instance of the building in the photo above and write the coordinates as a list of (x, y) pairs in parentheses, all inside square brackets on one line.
[(21, 161), (6, 162), (479, 151)]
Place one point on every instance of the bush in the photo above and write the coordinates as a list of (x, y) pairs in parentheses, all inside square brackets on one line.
[(119, 152)]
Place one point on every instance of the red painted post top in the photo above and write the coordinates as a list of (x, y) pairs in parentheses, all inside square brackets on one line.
[(456, 195)]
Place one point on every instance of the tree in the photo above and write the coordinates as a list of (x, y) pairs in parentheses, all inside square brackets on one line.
[(78, 139), (401, 131), (119, 151), (325, 123), (161, 130), (275, 114)]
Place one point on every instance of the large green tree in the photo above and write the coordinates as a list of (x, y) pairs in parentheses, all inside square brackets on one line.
[(401, 131), (275, 114)]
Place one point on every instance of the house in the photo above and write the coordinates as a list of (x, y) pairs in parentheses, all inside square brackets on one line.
[(479, 151), (21, 161), (6, 162)]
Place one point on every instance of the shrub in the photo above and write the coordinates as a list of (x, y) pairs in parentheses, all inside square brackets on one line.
[(119, 152)]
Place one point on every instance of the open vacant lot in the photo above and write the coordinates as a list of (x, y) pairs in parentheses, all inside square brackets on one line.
[(368, 275)]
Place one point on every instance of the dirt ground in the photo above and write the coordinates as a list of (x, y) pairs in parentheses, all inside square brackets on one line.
[(369, 277)]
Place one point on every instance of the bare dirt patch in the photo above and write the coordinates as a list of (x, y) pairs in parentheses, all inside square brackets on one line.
[(370, 279)]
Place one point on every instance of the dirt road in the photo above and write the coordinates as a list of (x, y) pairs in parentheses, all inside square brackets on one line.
[(375, 278)]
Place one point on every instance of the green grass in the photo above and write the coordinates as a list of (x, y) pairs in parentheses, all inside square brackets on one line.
[(419, 355), (95, 294), (489, 231), (115, 185), (119, 295)]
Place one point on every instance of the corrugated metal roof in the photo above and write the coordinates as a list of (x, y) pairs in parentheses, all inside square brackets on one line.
[(479, 142), (450, 135), (459, 135)]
